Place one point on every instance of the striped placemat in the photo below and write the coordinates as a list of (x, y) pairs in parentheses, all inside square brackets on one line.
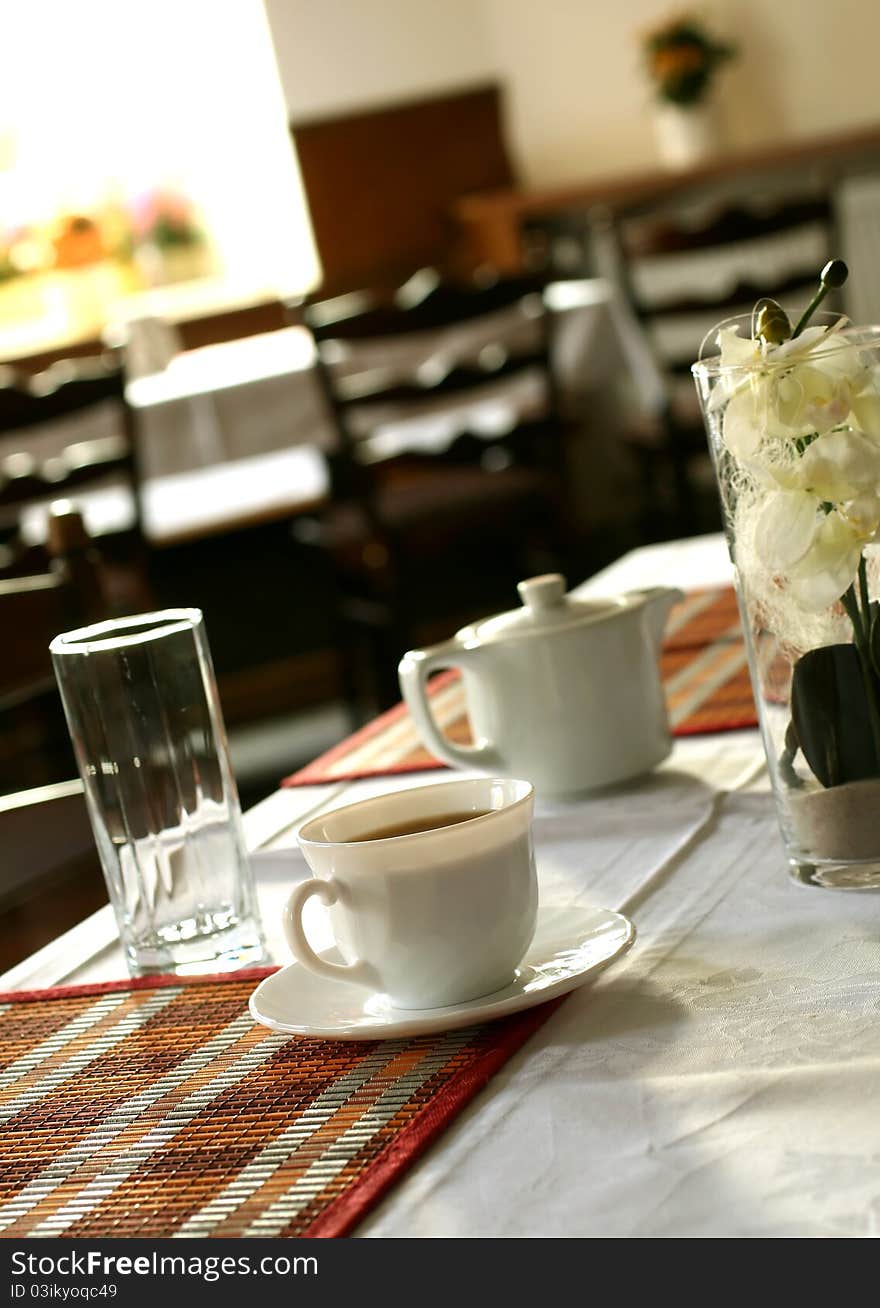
[(704, 671), (157, 1108)]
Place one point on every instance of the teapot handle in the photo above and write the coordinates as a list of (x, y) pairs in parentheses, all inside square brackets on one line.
[(414, 670), (657, 601)]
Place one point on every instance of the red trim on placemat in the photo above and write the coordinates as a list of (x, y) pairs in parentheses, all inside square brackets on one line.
[(358, 738), (153, 982), (720, 725), (411, 1141), (340, 1217)]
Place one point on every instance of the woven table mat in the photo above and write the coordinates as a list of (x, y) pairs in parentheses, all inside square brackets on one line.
[(159, 1108), (703, 666)]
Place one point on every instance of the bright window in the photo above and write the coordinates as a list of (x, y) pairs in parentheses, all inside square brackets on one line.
[(145, 165)]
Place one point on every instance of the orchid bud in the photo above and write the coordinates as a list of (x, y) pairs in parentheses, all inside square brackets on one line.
[(831, 278), (772, 323), (834, 274)]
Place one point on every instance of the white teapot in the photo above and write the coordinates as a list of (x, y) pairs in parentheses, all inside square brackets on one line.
[(563, 692)]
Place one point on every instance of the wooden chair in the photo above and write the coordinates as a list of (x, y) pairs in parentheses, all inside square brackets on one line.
[(681, 272), (50, 873), (68, 388), (448, 469), (34, 745), (43, 464)]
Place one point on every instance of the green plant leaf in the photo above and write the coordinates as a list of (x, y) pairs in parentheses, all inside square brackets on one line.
[(829, 709), (874, 635)]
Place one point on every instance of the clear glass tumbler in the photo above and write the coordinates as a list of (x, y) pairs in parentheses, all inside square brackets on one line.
[(142, 707)]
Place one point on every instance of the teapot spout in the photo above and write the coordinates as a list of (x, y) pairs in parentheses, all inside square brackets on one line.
[(657, 603)]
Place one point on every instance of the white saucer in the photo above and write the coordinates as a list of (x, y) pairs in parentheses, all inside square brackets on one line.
[(571, 946)]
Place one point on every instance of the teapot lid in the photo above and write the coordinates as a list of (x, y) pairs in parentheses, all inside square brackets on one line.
[(546, 608)]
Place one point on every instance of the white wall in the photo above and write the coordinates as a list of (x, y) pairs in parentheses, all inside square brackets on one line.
[(576, 96), (816, 62), (342, 54), (579, 104)]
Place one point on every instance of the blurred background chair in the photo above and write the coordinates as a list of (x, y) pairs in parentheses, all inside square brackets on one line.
[(68, 387), (681, 269), (448, 472), (68, 433), (34, 745), (50, 873)]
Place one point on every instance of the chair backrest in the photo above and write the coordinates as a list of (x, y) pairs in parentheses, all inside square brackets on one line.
[(408, 373), (685, 269), (398, 169), (44, 833), (44, 463), (33, 610)]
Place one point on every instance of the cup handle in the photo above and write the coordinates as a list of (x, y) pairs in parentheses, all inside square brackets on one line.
[(414, 669), (359, 973)]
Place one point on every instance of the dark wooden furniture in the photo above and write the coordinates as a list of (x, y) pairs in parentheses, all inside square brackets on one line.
[(68, 388), (50, 873), (48, 455), (34, 745), (432, 518), (684, 271), (491, 226), (380, 182)]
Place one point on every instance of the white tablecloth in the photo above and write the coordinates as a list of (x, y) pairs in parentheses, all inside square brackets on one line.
[(720, 1080), (229, 401)]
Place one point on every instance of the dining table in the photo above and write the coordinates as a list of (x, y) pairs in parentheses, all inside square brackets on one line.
[(718, 1080)]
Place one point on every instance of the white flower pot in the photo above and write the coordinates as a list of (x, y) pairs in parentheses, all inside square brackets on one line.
[(685, 136)]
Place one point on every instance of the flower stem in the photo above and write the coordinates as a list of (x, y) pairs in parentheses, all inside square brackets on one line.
[(851, 604), (865, 597), (832, 277), (810, 310)]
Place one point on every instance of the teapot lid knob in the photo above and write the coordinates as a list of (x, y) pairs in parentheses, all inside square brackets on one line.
[(542, 593)]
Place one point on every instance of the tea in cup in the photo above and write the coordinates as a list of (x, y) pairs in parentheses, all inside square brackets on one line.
[(432, 891)]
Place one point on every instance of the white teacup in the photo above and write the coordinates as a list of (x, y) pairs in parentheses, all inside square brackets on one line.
[(430, 918)]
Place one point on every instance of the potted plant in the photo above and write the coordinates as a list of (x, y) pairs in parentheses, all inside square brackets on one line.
[(169, 243), (682, 58), (792, 408)]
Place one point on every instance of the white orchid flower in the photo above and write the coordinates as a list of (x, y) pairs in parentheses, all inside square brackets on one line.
[(866, 407), (802, 418), (863, 515), (818, 552), (786, 527), (794, 389), (841, 465), (738, 351), (829, 566), (797, 536), (741, 429), (825, 399)]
